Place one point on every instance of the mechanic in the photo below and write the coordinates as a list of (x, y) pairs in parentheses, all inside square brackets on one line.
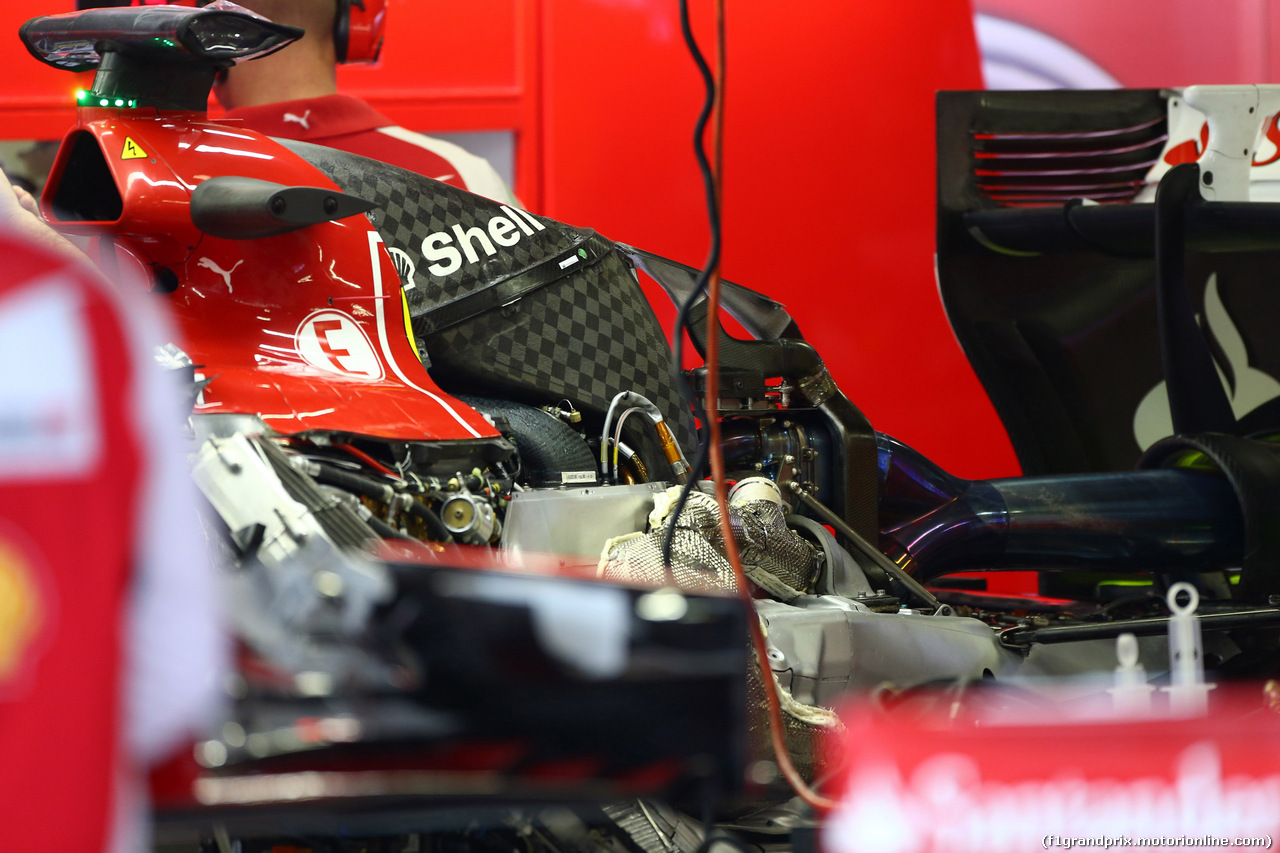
[(294, 94), (111, 645)]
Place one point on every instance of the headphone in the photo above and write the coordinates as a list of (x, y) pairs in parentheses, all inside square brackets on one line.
[(358, 25), (358, 29)]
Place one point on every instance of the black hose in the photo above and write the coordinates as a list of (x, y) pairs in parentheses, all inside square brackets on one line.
[(700, 284), (340, 522), (363, 486), (428, 516), (386, 531), (866, 549), (383, 493), (1148, 627)]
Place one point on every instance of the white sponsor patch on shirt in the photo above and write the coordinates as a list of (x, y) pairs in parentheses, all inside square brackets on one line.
[(49, 421)]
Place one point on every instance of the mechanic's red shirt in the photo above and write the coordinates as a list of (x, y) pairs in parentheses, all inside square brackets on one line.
[(349, 124), (70, 468)]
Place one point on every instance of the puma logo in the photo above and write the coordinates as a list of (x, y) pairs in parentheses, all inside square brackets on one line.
[(300, 119), (210, 264)]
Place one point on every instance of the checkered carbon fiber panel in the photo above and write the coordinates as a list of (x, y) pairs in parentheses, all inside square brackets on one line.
[(411, 208), (585, 337)]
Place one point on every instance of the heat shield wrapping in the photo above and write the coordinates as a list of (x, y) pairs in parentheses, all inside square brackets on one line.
[(773, 556)]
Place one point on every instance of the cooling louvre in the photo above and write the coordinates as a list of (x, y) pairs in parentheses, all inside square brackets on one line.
[(1046, 158)]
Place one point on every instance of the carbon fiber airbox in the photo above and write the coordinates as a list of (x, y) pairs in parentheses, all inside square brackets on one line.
[(509, 304)]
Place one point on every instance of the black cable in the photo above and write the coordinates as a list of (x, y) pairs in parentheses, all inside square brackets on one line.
[(431, 519), (370, 488), (361, 485), (700, 283), (386, 531)]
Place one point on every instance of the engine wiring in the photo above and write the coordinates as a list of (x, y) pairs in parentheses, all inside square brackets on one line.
[(367, 459), (670, 447), (617, 434), (709, 448), (699, 284), (604, 432)]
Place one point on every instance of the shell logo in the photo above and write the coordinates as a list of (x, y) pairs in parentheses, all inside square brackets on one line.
[(333, 341), (21, 610)]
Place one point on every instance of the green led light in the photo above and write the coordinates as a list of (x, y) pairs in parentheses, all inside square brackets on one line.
[(133, 103), (103, 102), (119, 102), (81, 95)]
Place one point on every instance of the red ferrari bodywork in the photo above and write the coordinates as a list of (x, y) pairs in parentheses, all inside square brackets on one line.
[(305, 329)]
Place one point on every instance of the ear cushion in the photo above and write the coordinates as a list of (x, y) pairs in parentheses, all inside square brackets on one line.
[(358, 28), (342, 28)]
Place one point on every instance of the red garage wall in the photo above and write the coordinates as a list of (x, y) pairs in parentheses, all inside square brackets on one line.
[(828, 159), (829, 179), (1155, 43)]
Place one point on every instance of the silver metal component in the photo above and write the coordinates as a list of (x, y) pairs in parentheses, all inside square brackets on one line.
[(655, 827), (470, 519), (576, 521), (779, 820), (662, 605), (307, 466), (296, 533), (756, 489), (206, 426), (785, 452), (867, 549), (170, 357), (649, 819), (784, 394), (829, 646), (329, 583), (679, 467), (397, 505), (697, 552), (223, 840), (244, 490), (232, 465), (565, 411), (773, 556)]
